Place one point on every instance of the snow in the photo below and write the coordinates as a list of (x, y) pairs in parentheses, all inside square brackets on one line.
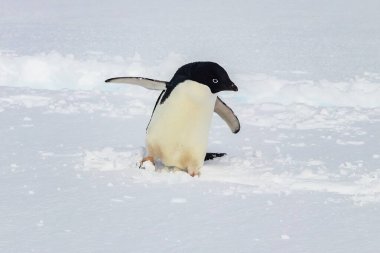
[(70, 180), (302, 175)]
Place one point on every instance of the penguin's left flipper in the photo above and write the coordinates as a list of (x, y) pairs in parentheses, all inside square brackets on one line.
[(147, 83), (227, 115)]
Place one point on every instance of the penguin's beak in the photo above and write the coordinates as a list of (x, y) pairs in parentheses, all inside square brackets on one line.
[(233, 87)]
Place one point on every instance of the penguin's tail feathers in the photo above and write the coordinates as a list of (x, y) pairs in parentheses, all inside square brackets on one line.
[(210, 156)]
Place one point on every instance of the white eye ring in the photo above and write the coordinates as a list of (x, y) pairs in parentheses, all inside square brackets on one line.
[(215, 80)]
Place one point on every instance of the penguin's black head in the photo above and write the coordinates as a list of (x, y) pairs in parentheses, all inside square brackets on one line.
[(210, 74)]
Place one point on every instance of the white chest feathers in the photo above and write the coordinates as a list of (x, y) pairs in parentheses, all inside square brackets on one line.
[(179, 128)]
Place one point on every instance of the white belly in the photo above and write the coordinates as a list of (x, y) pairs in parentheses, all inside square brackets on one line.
[(178, 131)]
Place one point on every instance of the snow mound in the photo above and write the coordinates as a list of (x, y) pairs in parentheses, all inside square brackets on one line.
[(54, 70), (108, 160)]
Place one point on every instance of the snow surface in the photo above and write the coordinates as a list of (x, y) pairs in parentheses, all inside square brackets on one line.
[(297, 179), (303, 175)]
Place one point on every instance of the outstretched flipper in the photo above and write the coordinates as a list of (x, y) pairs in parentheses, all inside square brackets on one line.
[(227, 115), (148, 83)]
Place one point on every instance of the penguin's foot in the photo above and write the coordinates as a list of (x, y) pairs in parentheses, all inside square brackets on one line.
[(147, 158), (193, 172), (149, 166)]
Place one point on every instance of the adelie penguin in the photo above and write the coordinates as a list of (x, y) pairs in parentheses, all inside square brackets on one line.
[(177, 133)]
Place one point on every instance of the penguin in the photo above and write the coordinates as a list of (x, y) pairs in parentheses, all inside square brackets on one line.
[(177, 133)]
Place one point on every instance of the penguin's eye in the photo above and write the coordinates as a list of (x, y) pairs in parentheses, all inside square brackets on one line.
[(215, 80)]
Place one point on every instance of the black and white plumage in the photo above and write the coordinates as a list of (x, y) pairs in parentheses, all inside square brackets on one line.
[(177, 133)]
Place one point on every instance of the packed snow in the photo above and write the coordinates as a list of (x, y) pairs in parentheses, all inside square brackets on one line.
[(302, 175)]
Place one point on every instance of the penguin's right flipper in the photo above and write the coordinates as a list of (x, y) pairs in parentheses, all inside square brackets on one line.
[(210, 156), (147, 83), (227, 115)]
